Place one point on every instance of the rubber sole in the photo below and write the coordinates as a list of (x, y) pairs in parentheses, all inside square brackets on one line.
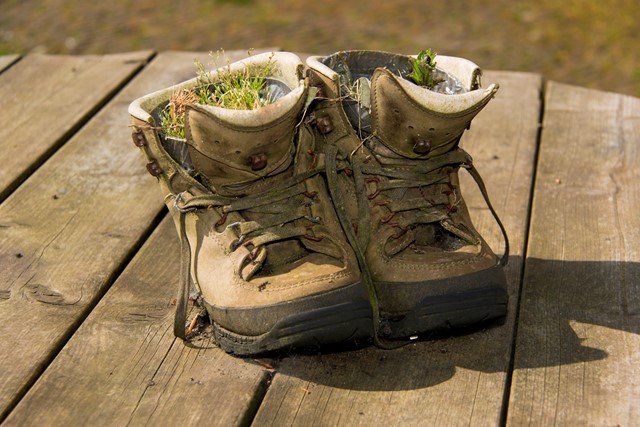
[(446, 312), (347, 323), (344, 317), (413, 309)]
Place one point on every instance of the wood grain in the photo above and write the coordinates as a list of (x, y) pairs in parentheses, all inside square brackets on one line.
[(45, 98), (68, 230), (578, 343), (124, 367), (457, 380)]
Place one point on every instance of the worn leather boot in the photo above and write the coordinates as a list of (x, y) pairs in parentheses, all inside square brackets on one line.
[(260, 238), (396, 158)]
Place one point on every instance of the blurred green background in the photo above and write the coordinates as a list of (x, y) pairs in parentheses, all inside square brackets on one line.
[(583, 42)]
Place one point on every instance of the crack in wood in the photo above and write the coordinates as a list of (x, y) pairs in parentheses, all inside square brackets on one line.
[(44, 294)]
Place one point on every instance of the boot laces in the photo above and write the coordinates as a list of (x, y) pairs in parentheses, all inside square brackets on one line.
[(283, 212), (416, 194), (422, 174)]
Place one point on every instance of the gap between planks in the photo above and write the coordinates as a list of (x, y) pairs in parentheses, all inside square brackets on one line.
[(7, 60), (455, 380), (88, 208), (48, 99), (578, 341)]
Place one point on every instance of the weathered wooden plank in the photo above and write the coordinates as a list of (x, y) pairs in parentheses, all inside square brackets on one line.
[(45, 98), (68, 230), (7, 60), (578, 342), (458, 380), (124, 367)]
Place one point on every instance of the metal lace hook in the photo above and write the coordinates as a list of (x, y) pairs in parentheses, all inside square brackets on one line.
[(236, 243), (179, 199), (233, 225), (313, 219)]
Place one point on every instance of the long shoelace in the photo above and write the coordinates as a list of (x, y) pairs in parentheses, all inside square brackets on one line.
[(423, 174), (258, 233), (287, 202), (406, 212)]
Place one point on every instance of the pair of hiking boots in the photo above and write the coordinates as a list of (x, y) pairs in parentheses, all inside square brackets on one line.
[(333, 214)]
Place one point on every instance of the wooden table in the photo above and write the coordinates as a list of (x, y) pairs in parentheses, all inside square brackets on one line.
[(89, 267)]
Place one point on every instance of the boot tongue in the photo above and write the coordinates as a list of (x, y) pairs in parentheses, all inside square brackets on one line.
[(235, 150), (417, 123), (411, 124), (245, 152)]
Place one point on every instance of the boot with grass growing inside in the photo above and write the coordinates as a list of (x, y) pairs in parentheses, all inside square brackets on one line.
[(394, 146), (260, 239)]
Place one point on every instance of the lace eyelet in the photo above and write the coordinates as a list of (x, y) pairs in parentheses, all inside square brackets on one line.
[(237, 243), (400, 233), (254, 253), (222, 219), (178, 201), (314, 161), (374, 195), (387, 218)]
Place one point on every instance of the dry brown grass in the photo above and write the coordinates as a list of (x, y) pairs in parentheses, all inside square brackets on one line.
[(584, 42)]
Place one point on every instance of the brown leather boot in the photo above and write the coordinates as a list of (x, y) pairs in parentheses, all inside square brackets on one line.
[(260, 237), (395, 155)]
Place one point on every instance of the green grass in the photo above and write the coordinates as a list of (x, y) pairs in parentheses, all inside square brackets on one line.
[(235, 90), (423, 69), (583, 42)]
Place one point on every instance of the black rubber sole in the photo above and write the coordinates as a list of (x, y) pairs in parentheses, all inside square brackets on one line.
[(414, 309), (347, 323), (344, 317), (446, 312)]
